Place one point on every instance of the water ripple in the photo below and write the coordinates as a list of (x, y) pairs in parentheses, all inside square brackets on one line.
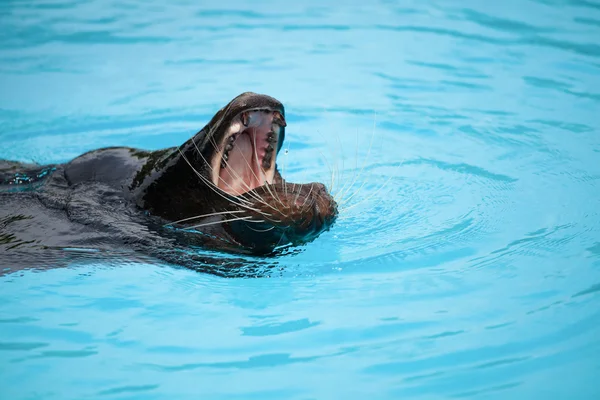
[(279, 328), (128, 389), (462, 143)]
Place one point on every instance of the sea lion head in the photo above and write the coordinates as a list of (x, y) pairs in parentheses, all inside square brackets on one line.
[(224, 182)]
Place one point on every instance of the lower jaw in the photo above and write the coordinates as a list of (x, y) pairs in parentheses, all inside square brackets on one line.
[(257, 239), (262, 239)]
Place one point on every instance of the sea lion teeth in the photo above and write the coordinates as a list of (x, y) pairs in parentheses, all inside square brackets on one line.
[(231, 139), (223, 164), (266, 163), (270, 148), (228, 148), (225, 156)]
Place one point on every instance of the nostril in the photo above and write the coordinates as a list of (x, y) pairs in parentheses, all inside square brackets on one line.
[(319, 188)]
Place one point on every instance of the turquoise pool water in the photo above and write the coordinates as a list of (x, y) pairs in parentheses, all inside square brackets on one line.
[(463, 135)]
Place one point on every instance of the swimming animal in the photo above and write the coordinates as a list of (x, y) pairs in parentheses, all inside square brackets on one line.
[(219, 190)]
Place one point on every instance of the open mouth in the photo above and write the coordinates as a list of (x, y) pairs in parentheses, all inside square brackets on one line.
[(247, 153)]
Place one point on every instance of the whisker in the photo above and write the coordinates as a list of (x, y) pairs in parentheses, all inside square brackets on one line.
[(337, 135), (372, 194), (247, 219), (204, 216), (329, 168), (349, 184), (335, 169), (287, 151), (280, 239), (312, 186), (297, 195), (364, 164), (205, 180), (212, 186), (261, 230)]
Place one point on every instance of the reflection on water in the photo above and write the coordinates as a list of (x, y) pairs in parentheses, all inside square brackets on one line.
[(460, 137)]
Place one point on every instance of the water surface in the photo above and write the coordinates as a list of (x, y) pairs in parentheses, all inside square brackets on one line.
[(461, 137)]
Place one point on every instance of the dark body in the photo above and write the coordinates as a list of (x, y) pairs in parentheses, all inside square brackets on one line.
[(218, 191)]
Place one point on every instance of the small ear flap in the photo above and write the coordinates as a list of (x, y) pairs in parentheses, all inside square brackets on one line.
[(279, 119)]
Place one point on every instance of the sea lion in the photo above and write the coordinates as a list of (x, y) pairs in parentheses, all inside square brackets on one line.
[(220, 190)]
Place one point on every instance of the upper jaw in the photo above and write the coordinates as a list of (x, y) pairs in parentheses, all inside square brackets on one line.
[(245, 156)]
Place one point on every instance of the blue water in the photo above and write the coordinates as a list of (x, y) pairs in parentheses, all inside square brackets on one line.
[(464, 137)]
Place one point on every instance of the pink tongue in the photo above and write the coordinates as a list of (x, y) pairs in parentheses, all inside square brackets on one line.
[(237, 175)]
